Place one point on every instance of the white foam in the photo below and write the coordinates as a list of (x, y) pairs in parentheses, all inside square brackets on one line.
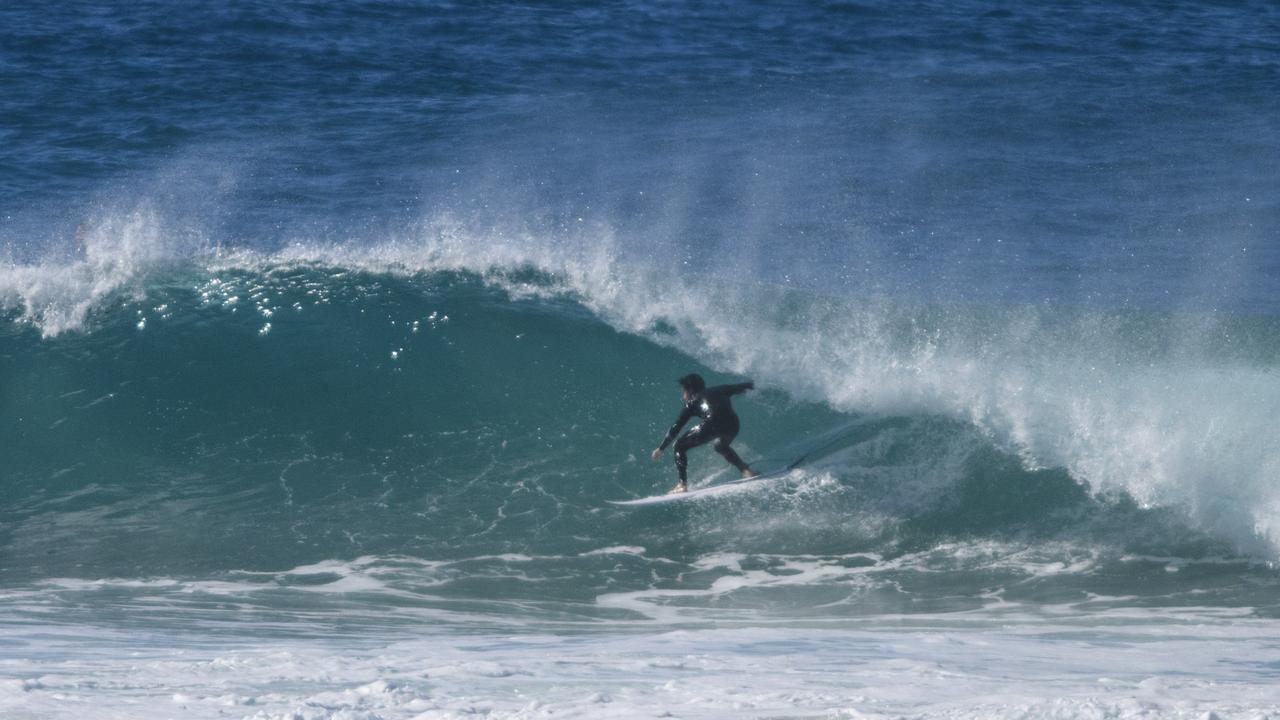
[(921, 668), (617, 550)]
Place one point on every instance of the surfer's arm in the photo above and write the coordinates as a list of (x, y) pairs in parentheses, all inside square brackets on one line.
[(685, 414), (737, 388)]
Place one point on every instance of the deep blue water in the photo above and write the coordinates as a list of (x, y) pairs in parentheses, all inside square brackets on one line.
[(1078, 152)]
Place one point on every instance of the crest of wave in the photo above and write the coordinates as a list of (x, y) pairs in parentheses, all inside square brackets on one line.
[(57, 294)]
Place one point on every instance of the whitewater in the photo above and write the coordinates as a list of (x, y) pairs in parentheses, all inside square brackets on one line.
[(327, 334)]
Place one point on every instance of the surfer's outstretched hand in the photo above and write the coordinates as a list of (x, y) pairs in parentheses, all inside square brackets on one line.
[(656, 455)]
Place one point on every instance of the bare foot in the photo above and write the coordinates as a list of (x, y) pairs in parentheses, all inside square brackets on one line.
[(749, 473), (679, 488)]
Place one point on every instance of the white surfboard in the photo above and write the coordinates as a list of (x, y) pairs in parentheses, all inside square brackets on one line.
[(732, 487)]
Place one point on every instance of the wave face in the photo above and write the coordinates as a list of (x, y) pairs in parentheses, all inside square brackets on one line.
[(451, 414)]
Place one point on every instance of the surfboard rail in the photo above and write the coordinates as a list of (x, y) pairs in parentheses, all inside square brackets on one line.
[(718, 490)]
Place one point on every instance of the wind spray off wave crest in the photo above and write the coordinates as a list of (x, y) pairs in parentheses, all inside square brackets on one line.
[(107, 255)]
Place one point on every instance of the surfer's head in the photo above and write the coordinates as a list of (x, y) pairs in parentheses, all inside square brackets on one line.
[(692, 384)]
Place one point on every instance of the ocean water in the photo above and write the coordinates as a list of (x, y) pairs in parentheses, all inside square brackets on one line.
[(328, 329)]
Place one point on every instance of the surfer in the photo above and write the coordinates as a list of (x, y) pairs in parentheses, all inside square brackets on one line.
[(719, 424)]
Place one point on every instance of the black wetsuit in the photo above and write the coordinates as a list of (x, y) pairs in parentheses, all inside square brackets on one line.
[(719, 423)]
